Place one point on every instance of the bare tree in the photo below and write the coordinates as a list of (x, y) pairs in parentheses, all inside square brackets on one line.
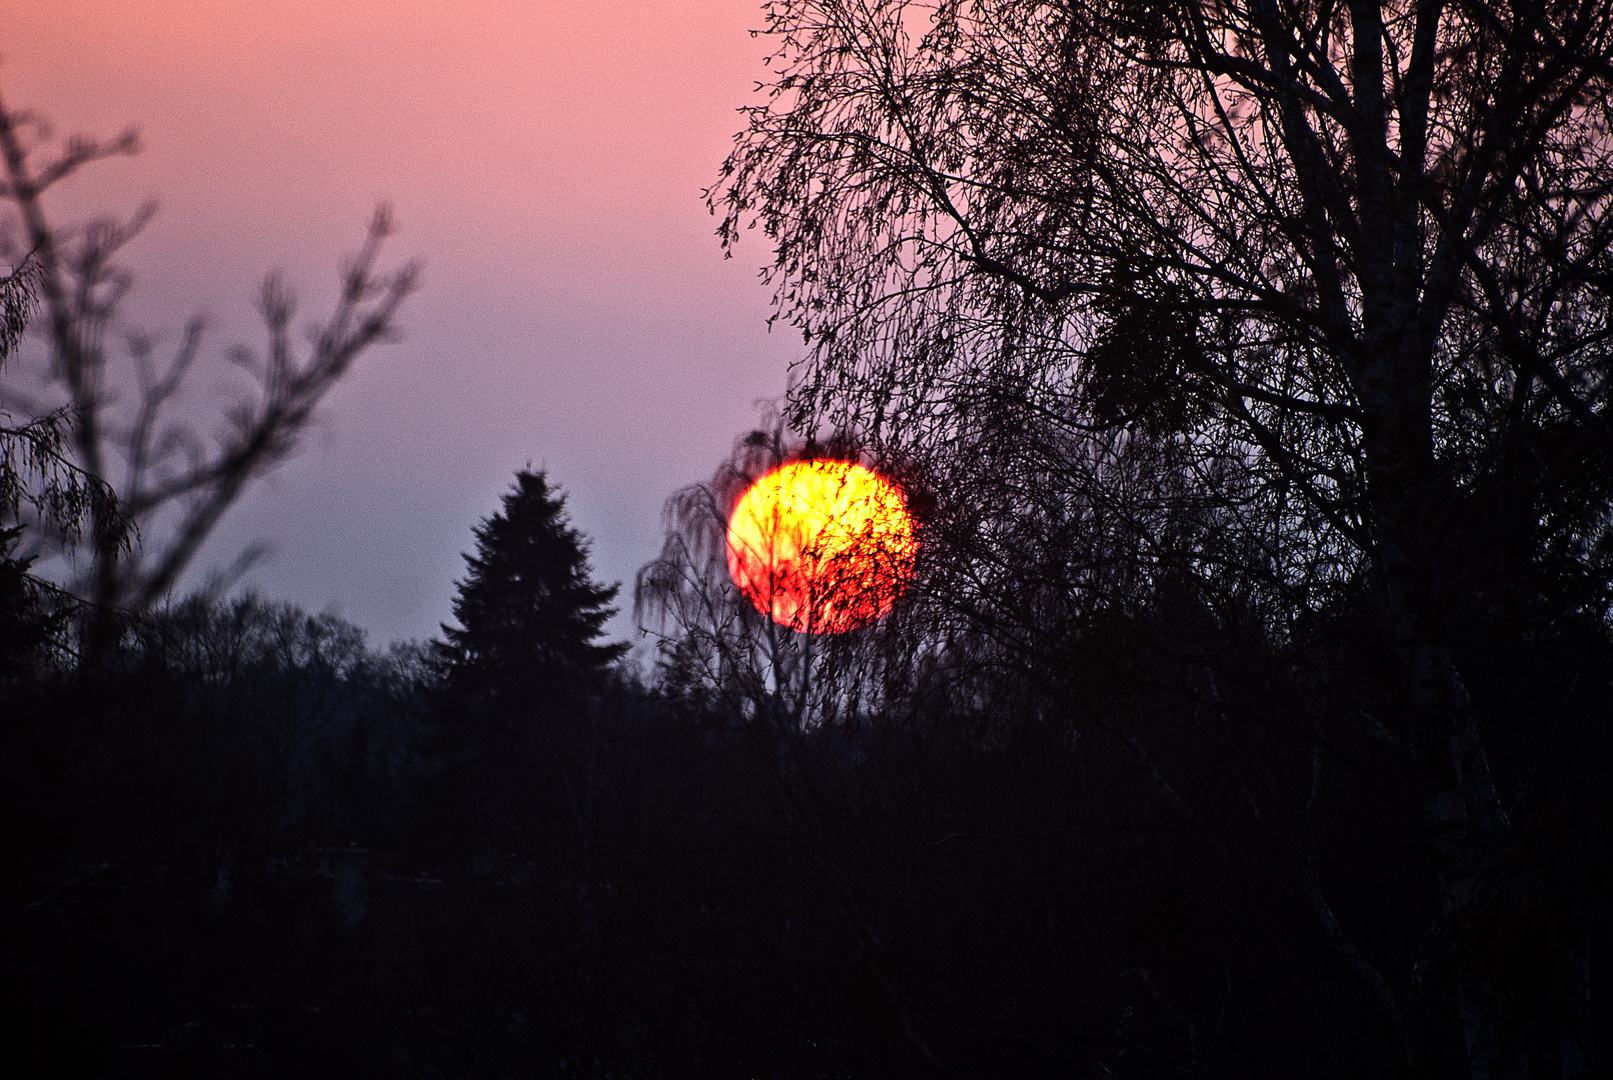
[(173, 485), (1345, 267), (765, 672)]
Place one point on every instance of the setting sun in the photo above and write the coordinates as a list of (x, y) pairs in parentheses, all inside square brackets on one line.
[(822, 546)]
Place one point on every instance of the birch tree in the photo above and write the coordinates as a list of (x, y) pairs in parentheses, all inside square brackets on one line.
[(1342, 267)]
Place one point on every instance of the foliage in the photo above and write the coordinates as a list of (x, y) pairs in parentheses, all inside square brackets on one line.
[(1088, 216), (19, 296), (40, 485), (528, 610), (27, 621)]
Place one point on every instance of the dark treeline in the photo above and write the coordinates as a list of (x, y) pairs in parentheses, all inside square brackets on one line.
[(246, 844)]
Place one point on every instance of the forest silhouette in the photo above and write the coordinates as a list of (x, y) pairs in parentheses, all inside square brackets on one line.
[(1246, 712)]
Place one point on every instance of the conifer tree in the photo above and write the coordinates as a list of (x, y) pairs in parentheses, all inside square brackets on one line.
[(529, 610), (524, 667)]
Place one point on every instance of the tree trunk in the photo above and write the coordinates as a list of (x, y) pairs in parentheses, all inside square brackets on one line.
[(1464, 827), (1476, 853)]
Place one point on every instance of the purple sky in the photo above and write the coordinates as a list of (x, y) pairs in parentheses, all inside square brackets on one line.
[(545, 160)]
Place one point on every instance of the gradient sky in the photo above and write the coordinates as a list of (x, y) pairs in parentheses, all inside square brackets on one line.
[(545, 160)]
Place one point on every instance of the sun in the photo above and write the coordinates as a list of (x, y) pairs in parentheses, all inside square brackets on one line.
[(822, 546)]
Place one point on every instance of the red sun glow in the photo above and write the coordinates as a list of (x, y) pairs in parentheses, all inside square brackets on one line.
[(822, 546)]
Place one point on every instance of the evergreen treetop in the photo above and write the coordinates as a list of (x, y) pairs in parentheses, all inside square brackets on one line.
[(530, 613)]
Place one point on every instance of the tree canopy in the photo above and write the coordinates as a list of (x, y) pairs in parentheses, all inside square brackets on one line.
[(1300, 309), (528, 608)]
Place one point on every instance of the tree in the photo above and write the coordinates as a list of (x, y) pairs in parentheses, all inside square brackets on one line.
[(712, 639), (27, 623), (1332, 277), (172, 487), (38, 478), (523, 667)]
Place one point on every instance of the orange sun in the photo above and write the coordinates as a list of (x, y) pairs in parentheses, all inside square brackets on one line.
[(822, 546)]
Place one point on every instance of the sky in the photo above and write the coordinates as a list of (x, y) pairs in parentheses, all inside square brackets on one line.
[(545, 161)]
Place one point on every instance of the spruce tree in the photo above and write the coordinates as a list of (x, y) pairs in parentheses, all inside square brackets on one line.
[(523, 670)]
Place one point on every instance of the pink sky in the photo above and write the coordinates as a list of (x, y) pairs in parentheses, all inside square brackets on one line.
[(545, 160)]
